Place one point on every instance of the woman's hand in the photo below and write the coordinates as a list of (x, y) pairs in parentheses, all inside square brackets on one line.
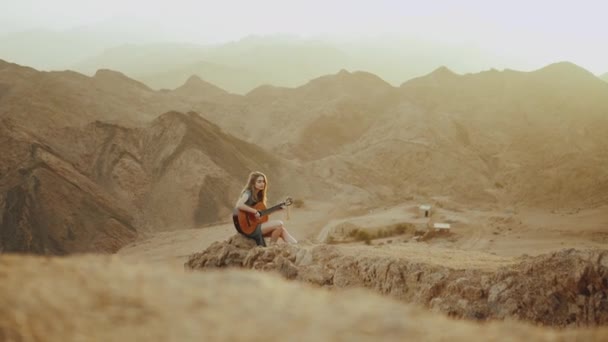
[(257, 215)]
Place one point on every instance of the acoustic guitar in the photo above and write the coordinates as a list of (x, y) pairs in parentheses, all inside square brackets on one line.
[(248, 222)]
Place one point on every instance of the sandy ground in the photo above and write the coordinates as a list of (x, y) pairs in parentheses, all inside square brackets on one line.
[(477, 238)]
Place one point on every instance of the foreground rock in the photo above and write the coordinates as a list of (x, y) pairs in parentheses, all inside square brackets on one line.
[(566, 288), (95, 298)]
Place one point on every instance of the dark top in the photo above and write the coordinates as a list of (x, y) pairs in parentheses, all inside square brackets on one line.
[(250, 202)]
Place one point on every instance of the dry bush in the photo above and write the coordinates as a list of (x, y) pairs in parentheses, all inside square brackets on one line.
[(402, 228), (362, 235), (396, 229)]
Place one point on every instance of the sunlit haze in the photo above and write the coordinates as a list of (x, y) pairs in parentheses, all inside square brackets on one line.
[(530, 34)]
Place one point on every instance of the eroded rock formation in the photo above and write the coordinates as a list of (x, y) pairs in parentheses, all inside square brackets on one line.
[(565, 288)]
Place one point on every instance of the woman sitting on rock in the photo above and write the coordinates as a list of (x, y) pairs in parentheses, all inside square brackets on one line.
[(252, 195)]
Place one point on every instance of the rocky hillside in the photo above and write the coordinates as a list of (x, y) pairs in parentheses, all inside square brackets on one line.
[(179, 171), (49, 207), (496, 137), (535, 137), (92, 188)]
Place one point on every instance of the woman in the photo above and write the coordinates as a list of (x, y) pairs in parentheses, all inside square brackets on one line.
[(254, 193)]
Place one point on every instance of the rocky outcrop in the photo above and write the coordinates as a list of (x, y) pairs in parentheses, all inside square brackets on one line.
[(566, 288)]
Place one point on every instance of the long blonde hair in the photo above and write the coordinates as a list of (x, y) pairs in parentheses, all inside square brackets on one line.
[(255, 194)]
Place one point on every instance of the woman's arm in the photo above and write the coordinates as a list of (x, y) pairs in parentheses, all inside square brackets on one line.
[(240, 204)]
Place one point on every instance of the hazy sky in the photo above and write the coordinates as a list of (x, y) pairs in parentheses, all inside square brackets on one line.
[(536, 31)]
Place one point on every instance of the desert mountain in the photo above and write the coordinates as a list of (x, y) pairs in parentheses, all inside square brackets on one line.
[(318, 118), (178, 171), (243, 65), (556, 89), (236, 79), (196, 87), (92, 188), (519, 128), (58, 99), (200, 169), (477, 136), (49, 206), (480, 137), (128, 58), (173, 172), (67, 106), (236, 66)]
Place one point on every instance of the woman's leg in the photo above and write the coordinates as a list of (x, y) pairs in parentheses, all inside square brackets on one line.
[(275, 229)]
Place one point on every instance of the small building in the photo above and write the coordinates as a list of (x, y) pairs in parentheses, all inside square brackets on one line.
[(445, 227), (426, 209)]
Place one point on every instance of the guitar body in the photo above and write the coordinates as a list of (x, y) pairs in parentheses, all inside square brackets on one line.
[(248, 222)]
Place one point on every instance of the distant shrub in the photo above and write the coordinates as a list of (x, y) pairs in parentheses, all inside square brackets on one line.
[(365, 235), (362, 235), (419, 232), (401, 228)]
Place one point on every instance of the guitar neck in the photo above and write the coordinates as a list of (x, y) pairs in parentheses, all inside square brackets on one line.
[(271, 210)]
